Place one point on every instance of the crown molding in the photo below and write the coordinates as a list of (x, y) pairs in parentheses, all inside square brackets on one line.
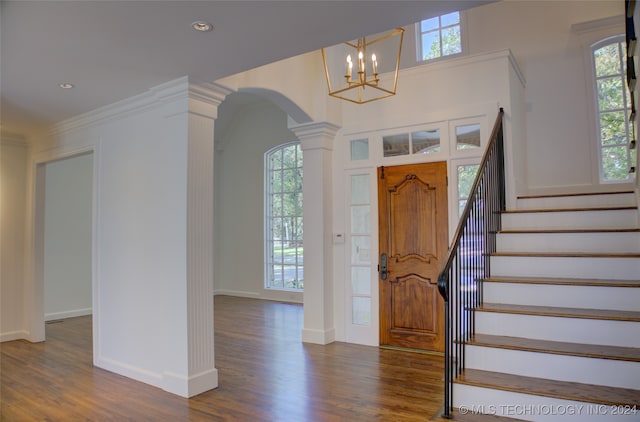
[(315, 135), (13, 139), (209, 94), (597, 24)]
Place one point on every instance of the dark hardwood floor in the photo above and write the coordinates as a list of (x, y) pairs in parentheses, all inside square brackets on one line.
[(266, 374)]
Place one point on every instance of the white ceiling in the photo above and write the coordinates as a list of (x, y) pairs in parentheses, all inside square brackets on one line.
[(111, 50)]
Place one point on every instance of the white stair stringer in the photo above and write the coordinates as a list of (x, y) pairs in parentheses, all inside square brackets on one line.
[(586, 370), (529, 407)]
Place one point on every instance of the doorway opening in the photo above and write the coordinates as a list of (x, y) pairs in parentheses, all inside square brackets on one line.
[(63, 277)]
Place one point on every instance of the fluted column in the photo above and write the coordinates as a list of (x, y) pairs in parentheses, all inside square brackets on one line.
[(203, 110), (197, 373), (316, 140)]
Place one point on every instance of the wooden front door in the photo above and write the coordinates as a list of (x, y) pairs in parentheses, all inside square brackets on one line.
[(413, 234)]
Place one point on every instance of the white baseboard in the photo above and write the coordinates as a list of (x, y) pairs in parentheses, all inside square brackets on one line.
[(14, 335), (68, 314), (129, 371), (223, 292), (310, 335), (167, 381), (191, 386), (276, 296)]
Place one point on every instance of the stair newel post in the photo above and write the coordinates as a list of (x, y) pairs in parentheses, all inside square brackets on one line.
[(457, 316), (447, 360)]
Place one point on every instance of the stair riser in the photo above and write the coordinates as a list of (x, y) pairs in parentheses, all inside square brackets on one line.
[(591, 297), (567, 267), (569, 242), (613, 373), (572, 330), (535, 408), (609, 219), (583, 201)]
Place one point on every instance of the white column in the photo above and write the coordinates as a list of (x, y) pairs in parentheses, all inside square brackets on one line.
[(317, 145), (197, 373), (203, 110)]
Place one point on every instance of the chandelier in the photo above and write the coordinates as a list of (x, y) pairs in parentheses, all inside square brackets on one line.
[(366, 69)]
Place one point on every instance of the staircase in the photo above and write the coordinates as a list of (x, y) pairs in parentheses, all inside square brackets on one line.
[(558, 334)]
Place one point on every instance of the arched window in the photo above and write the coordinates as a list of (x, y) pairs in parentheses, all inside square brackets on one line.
[(283, 218), (613, 109)]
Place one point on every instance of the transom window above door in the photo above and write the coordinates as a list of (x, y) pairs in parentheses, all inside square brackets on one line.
[(419, 142)]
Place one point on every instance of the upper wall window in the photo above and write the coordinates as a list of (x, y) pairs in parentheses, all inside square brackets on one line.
[(613, 109), (439, 36)]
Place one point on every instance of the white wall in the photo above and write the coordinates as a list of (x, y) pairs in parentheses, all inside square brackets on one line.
[(141, 265), (239, 199), (67, 237), (560, 140), (13, 182)]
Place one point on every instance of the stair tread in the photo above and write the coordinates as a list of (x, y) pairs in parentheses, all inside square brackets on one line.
[(570, 254), (551, 388), (543, 210), (562, 195), (603, 314), (631, 354), (568, 231), (565, 281)]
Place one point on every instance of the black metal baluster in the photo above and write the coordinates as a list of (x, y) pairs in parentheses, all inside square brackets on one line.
[(469, 259)]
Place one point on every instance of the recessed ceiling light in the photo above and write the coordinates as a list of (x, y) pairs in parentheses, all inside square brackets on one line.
[(202, 26), (66, 85)]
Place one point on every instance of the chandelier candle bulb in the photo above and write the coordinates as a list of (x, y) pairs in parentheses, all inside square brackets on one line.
[(374, 64)]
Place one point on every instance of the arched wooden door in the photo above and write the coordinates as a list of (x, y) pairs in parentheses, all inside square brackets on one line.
[(413, 233)]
